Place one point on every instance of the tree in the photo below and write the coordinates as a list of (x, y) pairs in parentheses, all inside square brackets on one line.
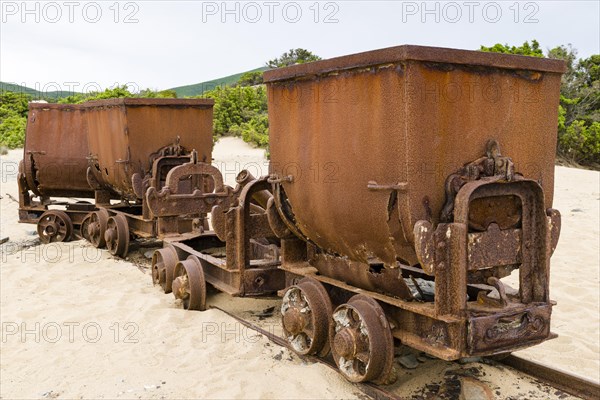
[(16, 102), (12, 131), (294, 56), (251, 79), (13, 118), (117, 92), (579, 108), (162, 94), (238, 109), (526, 49), (569, 55)]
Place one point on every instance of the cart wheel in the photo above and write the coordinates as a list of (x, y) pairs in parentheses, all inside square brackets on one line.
[(117, 235), (189, 284), (361, 341), (163, 267), (96, 227), (305, 315), (54, 226), (85, 227)]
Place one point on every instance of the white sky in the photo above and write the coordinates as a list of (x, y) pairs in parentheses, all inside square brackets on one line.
[(57, 45)]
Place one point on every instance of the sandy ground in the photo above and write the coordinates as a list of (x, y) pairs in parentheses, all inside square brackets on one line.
[(77, 323)]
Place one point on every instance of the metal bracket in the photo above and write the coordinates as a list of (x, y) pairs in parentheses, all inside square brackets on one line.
[(401, 186), (275, 179)]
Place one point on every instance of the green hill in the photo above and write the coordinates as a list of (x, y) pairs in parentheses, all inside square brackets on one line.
[(199, 88), (182, 91), (36, 94)]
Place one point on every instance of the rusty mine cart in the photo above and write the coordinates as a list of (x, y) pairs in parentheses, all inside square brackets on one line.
[(115, 152), (440, 170)]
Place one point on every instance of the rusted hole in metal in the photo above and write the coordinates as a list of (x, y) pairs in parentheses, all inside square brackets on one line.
[(376, 268), (392, 202), (532, 76)]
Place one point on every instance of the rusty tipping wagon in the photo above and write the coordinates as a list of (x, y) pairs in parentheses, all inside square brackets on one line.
[(112, 152), (436, 182)]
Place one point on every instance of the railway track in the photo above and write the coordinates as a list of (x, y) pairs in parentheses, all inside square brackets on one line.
[(557, 379), (572, 384)]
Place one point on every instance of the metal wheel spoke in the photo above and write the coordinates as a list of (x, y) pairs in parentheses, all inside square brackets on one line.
[(54, 226), (309, 331), (306, 312), (362, 343), (363, 357)]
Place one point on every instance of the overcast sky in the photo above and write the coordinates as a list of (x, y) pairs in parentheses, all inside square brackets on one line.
[(162, 44)]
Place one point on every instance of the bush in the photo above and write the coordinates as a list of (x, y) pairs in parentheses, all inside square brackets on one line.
[(242, 112), (13, 118), (256, 131), (250, 79), (531, 50), (117, 92), (12, 131), (581, 143)]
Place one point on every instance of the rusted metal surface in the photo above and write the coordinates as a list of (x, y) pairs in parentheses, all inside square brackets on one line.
[(371, 276), (424, 54), (554, 378), (56, 147), (415, 206), (305, 315), (54, 226), (126, 137), (390, 210), (502, 329), (170, 201), (116, 235), (241, 257), (260, 198), (361, 341), (164, 262), (401, 120), (96, 227), (370, 389), (131, 146), (189, 284)]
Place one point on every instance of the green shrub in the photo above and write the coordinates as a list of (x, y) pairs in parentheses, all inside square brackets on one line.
[(241, 111), (581, 142), (256, 131), (251, 79), (12, 131)]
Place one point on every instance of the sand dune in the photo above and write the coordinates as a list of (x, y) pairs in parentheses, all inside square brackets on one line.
[(77, 323)]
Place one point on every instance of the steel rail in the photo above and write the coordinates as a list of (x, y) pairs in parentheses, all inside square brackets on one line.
[(370, 389), (569, 383)]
